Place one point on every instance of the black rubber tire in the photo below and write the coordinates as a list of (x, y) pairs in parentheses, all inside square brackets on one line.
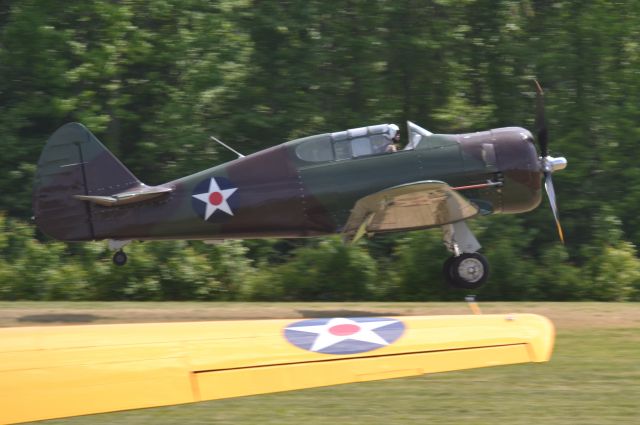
[(119, 258), (468, 271), (446, 269)]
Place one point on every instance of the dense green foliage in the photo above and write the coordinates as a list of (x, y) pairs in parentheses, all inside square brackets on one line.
[(152, 79)]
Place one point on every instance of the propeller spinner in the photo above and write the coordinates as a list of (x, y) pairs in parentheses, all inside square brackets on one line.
[(548, 164)]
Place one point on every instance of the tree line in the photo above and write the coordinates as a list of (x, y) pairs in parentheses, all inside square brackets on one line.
[(153, 79)]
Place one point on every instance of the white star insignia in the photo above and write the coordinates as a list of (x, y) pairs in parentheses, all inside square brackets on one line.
[(339, 329), (216, 199)]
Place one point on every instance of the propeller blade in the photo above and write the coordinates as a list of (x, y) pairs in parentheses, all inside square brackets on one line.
[(551, 193), (541, 122)]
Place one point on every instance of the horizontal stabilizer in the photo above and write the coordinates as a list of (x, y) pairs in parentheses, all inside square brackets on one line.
[(53, 372), (144, 193)]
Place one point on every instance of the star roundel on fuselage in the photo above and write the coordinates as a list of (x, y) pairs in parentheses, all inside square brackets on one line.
[(213, 199), (344, 335)]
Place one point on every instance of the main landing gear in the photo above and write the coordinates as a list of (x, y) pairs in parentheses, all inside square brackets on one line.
[(466, 268), (467, 271), (119, 257)]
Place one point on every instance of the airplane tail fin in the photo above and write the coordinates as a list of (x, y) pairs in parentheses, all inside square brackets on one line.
[(75, 164)]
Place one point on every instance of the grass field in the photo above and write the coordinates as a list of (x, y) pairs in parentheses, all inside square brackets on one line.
[(593, 377)]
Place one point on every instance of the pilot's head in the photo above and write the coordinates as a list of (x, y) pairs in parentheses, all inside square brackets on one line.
[(394, 132)]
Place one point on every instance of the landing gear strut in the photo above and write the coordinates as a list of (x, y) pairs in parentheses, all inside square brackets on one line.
[(466, 268)]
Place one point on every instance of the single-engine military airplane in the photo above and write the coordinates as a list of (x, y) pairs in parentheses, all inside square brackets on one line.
[(348, 182)]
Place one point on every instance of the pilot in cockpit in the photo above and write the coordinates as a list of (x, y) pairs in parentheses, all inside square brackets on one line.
[(394, 139)]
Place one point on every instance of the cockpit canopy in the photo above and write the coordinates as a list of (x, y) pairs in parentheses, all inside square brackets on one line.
[(347, 144), (354, 143)]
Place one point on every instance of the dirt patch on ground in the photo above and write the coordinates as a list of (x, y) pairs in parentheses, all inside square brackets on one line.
[(564, 315)]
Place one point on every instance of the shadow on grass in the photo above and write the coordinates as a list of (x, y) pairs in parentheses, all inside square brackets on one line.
[(60, 318)]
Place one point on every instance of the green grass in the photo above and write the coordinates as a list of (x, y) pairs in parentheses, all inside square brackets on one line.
[(593, 378)]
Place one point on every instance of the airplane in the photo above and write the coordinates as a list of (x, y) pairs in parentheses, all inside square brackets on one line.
[(351, 182), (60, 371)]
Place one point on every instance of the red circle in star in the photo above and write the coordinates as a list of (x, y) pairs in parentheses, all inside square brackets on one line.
[(344, 330), (216, 198)]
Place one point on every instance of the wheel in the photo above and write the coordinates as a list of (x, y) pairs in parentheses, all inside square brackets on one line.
[(120, 258), (468, 271)]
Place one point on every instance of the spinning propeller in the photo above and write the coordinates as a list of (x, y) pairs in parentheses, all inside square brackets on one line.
[(548, 164)]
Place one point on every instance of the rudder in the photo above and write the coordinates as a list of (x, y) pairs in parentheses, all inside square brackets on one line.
[(74, 162)]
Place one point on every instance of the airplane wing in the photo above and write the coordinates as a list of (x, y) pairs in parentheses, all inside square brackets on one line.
[(53, 372), (409, 206)]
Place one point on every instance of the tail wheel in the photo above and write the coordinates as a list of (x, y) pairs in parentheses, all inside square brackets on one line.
[(467, 271), (120, 258)]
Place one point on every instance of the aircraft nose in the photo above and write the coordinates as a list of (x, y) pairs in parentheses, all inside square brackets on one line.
[(526, 135)]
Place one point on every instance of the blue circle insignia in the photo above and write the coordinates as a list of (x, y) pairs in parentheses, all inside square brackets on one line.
[(344, 335)]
